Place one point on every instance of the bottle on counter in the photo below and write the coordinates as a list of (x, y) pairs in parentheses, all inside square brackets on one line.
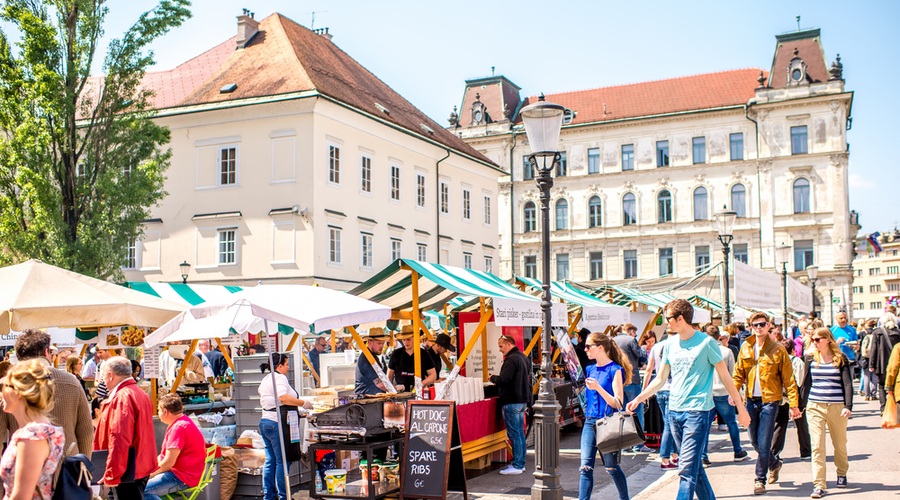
[(318, 481)]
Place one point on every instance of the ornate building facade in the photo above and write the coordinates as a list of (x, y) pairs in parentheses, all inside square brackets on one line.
[(646, 166)]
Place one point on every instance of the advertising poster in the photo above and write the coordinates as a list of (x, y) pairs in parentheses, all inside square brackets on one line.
[(468, 323)]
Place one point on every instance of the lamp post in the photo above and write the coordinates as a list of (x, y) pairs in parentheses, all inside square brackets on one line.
[(543, 121), (830, 284), (185, 269), (725, 227), (811, 273), (783, 254)]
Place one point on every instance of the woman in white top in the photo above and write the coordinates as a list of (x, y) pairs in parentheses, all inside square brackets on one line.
[(273, 468)]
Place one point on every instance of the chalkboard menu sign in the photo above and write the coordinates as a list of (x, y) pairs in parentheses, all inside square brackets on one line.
[(432, 455)]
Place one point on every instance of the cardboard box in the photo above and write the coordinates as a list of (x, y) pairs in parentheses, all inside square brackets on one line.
[(347, 460), (250, 458)]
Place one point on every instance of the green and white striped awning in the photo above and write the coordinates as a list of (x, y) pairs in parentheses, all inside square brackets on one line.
[(438, 285), (596, 313), (189, 295)]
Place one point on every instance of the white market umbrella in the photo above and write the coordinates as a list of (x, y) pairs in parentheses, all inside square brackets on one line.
[(38, 295)]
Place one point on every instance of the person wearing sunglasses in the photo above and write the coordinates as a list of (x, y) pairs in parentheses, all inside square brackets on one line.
[(764, 370), (828, 389), (691, 358)]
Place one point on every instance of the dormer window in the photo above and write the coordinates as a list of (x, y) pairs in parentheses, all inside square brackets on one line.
[(480, 115), (796, 71)]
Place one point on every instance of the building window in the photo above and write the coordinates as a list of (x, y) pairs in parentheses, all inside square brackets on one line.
[(562, 266), (702, 257), (739, 200), (530, 217), (227, 166), (365, 249), (131, 255), (629, 210), (799, 140), (395, 182), (527, 171), (487, 210), (445, 198), (395, 248), (893, 269), (488, 264), (893, 287), (698, 146), (563, 167), (876, 305), (741, 254), (630, 264), (662, 153), (801, 196), (334, 245), (334, 164), (365, 174), (595, 261), (664, 206), (467, 260), (874, 288), (627, 157), (531, 266), (420, 190), (803, 254), (701, 204), (227, 246), (858, 272), (666, 262), (875, 271), (593, 160), (422, 252), (857, 289), (562, 215), (467, 204), (595, 219), (736, 141)]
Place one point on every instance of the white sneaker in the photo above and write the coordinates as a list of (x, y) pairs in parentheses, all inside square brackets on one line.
[(509, 470)]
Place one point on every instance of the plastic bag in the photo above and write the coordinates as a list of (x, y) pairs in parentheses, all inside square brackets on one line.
[(889, 419), (255, 438)]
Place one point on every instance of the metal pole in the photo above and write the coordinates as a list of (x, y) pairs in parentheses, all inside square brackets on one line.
[(726, 249), (814, 297), (784, 287), (546, 408), (831, 305)]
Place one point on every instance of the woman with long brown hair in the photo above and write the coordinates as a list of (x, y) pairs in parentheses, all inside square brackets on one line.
[(605, 381), (828, 391)]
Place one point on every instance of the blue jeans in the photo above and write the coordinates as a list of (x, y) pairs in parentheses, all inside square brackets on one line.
[(761, 430), (666, 443), (631, 392), (514, 418), (610, 462), (691, 432), (163, 484), (273, 468), (727, 412)]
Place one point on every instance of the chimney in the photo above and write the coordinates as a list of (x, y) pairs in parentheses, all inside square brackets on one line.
[(247, 28)]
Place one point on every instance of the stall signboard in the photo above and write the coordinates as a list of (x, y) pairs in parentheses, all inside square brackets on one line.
[(469, 322), (432, 454), (60, 337), (151, 361), (755, 288), (596, 318), (109, 338), (800, 296), (510, 312)]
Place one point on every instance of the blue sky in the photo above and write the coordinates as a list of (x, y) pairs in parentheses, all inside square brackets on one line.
[(426, 49)]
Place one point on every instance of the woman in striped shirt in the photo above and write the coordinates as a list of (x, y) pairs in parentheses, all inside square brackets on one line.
[(828, 390)]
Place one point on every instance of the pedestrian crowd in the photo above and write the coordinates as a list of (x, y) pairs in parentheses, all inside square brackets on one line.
[(757, 379)]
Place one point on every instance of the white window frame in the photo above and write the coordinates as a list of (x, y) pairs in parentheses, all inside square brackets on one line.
[(334, 164), (132, 255), (365, 173), (220, 232), (467, 260), (395, 179), (421, 190), (220, 161), (396, 249), (488, 214), (488, 264), (467, 204), (422, 252), (334, 245), (444, 197), (366, 245)]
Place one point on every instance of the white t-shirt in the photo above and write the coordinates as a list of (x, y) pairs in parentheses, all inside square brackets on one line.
[(656, 354), (267, 396)]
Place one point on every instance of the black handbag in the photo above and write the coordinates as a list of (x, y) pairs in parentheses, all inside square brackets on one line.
[(618, 431), (74, 481)]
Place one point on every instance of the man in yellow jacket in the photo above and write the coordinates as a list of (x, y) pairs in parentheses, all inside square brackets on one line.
[(764, 370)]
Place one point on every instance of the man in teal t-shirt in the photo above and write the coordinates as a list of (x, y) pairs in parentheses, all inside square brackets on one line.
[(691, 359)]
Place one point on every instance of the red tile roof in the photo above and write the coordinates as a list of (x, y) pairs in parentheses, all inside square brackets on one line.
[(688, 93), (283, 58)]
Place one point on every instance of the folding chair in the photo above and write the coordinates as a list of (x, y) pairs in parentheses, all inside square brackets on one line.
[(205, 479)]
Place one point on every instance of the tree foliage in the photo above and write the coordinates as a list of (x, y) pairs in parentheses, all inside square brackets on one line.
[(81, 161)]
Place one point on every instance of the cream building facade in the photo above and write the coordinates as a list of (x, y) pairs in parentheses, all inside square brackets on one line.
[(876, 278), (647, 165), (292, 163)]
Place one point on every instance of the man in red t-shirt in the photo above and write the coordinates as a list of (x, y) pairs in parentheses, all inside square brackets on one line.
[(183, 452)]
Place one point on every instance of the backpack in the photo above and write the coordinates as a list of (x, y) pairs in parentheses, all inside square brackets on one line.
[(866, 345), (74, 482)]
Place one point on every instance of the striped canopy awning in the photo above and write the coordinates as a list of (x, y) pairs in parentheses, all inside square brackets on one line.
[(438, 285), (566, 292), (190, 295)]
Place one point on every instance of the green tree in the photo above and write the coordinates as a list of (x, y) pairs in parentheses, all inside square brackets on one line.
[(81, 161)]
